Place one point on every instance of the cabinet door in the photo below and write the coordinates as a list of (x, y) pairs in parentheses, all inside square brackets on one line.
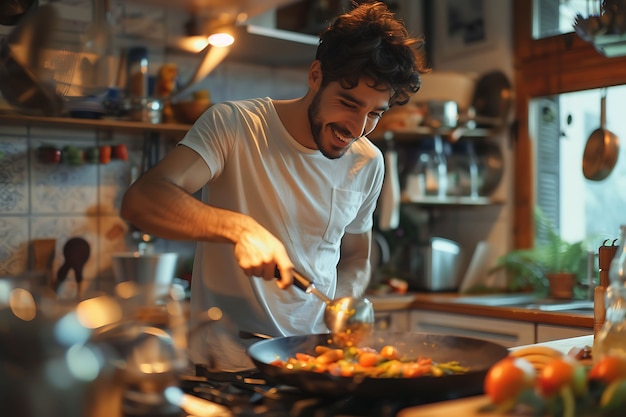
[(548, 332), (505, 332)]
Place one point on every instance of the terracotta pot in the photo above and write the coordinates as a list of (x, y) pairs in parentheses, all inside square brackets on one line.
[(561, 284)]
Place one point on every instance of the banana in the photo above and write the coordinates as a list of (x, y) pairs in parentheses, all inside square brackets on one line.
[(538, 356), (538, 361), (537, 351)]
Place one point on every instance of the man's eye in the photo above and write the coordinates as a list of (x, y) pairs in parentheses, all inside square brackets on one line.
[(348, 105), (375, 115)]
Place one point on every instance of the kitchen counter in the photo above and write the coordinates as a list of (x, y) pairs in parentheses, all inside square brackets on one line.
[(448, 303)]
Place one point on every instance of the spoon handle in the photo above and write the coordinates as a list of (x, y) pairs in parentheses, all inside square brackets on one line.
[(304, 284)]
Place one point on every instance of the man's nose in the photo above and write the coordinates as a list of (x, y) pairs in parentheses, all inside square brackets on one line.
[(358, 125)]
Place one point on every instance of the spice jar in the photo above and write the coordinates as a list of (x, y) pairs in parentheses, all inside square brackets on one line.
[(611, 338)]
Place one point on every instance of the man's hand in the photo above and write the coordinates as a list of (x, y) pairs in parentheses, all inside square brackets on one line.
[(259, 253)]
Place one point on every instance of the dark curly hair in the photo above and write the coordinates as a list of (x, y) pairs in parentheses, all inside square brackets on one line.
[(369, 41)]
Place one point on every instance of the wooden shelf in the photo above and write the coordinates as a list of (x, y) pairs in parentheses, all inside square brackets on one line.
[(453, 201), (423, 132), (113, 125)]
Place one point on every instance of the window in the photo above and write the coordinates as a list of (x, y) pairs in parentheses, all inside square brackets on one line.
[(559, 129), (555, 17), (557, 78)]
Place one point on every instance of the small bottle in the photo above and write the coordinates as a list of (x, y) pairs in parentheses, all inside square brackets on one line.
[(415, 187), (137, 72), (473, 170), (611, 338), (442, 168)]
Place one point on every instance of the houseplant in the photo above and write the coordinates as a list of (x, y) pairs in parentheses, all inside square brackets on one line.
[(554, 266)]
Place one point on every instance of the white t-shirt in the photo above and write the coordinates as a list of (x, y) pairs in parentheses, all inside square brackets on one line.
[(305, 199)]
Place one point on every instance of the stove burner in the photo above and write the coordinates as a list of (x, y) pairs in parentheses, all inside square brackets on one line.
[(249, 394)]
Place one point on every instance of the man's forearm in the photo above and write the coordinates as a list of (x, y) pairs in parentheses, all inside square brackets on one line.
[(168, 211)]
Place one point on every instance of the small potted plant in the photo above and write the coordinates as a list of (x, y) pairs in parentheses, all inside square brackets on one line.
[(554, 266)]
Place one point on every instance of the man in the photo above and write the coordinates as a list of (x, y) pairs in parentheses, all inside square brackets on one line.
[(286, 184)]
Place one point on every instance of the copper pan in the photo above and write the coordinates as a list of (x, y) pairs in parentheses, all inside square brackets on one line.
[(601, 150)]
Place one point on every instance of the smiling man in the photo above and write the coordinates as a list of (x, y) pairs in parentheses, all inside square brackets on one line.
[(285, 183)]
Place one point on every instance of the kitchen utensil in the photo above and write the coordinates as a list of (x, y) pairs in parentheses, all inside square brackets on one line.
[(601, 150), (478, 355), (21, 82), (349, 319), (145, 268), (431, 266), (76, 252), (43, 255)]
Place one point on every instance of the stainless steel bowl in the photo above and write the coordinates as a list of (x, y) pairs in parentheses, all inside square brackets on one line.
[(154, 268)]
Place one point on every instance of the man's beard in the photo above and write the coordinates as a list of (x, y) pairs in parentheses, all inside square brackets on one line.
[(316, 129)]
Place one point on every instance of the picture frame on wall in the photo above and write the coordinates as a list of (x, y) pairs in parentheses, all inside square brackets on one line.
[(463, 26)]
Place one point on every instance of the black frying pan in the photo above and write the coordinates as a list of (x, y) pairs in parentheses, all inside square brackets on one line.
[(476, 354)]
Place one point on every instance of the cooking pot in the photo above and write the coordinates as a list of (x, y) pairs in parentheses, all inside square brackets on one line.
[(478, 355)]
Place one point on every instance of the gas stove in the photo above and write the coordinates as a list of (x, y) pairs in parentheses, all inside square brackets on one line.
[(249, 393)]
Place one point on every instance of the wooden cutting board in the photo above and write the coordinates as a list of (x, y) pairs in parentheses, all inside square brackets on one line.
[(463, 407)]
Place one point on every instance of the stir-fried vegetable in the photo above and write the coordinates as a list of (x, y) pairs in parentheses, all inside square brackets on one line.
[(353, 361)]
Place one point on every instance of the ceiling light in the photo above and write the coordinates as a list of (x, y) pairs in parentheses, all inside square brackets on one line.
[(221, 39)]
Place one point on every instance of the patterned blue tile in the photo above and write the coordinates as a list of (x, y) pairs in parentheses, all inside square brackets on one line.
[(13, 245), (63, 188), (13, 176)]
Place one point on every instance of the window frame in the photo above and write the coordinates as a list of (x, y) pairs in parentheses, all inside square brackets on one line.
[(545, 67)]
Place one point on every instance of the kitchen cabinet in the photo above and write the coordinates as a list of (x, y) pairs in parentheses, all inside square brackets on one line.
[(549, 332), (506, 332)]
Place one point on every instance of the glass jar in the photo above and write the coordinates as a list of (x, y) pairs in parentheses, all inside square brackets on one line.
[(611, 338)]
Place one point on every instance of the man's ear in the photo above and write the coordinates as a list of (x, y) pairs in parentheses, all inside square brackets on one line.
[(315, 75)]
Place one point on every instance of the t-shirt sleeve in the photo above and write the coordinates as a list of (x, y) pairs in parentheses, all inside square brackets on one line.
[(212, 135)]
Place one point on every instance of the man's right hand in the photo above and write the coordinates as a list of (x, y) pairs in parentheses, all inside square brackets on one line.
[(259, 252)]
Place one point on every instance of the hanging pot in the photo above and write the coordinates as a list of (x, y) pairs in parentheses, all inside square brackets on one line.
[(601, 150)]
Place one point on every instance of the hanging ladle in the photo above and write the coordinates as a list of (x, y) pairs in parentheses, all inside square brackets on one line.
[(349, 319), (601, 150)]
